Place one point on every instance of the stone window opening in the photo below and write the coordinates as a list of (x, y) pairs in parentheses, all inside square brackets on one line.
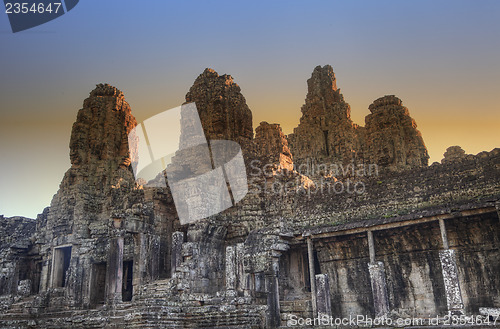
[(60, 265)]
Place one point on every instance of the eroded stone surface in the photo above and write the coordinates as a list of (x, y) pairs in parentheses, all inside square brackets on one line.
[(222, 108), (392, 138), (326, 132), (243, 267), (272, 146), (453, 153)]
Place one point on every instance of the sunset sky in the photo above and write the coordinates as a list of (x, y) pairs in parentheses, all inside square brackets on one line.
[(440, 57)]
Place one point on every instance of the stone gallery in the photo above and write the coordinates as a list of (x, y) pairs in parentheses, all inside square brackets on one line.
[(339, 221)]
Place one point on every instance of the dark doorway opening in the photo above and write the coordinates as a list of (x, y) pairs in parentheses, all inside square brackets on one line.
[(98, 286), (128, 266), (325, 132), (317, 267), (30, 269), (62, 258)]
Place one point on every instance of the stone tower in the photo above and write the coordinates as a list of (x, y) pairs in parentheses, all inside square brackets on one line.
[(392, 138), (223, 110), (326, 132)]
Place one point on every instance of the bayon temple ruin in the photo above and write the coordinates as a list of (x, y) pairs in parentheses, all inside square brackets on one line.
[(339, 220)]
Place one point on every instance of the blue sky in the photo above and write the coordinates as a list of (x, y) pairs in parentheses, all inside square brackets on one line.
[(439, 57)]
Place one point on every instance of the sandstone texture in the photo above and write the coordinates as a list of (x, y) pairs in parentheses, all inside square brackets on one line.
[(392, 138), (326, 132), (222, 108), (338, 219), (453, 154), (272, 145)]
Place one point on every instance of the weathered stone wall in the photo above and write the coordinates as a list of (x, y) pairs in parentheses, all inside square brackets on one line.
[(326, 132), (392, 139), (272, 146), (413, 270), (221, 106), (411, 193), (248, 266), (476, 241), (345, 260), (15, 242)]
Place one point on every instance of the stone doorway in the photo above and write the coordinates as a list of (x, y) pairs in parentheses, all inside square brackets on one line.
[(60, 266), (98, 286), (127, 287)]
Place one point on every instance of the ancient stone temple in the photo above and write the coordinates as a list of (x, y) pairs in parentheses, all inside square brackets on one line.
[(326, 132), (339, 220)]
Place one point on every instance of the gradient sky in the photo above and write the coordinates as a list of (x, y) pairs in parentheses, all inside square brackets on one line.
[(440, 57)]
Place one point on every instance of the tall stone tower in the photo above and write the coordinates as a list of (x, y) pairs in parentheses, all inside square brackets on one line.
[(392, 138), (223, 110), (326, 132)]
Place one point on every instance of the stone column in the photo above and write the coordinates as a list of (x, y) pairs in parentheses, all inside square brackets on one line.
[(444, 235), (379, 288), (371, 246), (324, 304), (450, 274), (451, 283), (146, 259), (377, 280), (242, 278), (177, 241), (44, 276), (139, 271), (273, 296), (312, 274), (231, 271), (114, 273), (78, 273)]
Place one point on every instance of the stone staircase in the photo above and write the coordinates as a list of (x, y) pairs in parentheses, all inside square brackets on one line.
[(301, 308), (19, 309), (152, 307)]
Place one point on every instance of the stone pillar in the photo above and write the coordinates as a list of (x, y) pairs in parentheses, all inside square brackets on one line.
[(371, 246), (177, 241), (231, 271), (377, 280), (242, 278), (451, 283), (324, 304), (44, 276), (379, 288), (146, 259), (153, 255), (444, 235), (450, 274), (114, 272), (78, 273), (273, 296), (312, 274)]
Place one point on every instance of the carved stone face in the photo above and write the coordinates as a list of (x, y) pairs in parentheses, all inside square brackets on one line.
[(218, 120)]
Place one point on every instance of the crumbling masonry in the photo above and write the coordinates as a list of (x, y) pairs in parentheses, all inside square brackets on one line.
[(339, 220)]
